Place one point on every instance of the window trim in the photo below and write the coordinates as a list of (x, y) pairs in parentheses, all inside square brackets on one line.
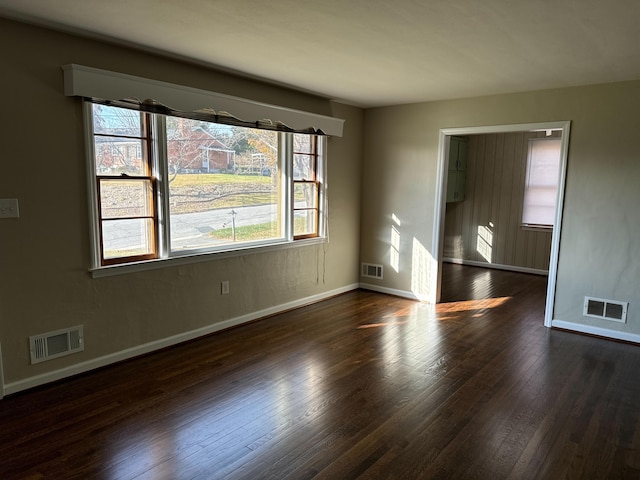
[(166, 258), (156, 96), (155, 264)]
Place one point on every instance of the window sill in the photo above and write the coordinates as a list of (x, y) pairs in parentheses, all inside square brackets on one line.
[(537, 228), (112, 270)]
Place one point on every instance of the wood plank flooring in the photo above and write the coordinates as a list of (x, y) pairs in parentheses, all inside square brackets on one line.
[(363, 385)]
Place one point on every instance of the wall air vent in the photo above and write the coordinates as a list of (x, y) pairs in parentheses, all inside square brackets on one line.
[(56, 344), (605, 309), (371, 270)]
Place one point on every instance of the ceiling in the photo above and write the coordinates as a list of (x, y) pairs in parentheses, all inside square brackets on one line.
[(372, 52)]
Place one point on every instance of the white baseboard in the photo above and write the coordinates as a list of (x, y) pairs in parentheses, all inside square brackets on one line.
[(497, 266), (598, 331), (412, 296), (103, 361), (390, 291)]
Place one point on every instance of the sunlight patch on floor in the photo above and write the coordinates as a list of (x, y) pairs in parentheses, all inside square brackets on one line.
[(468, 305)]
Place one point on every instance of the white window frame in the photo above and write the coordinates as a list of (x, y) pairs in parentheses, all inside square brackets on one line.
[(160, 171)]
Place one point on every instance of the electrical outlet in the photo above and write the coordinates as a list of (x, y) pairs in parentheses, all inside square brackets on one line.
[(9, 208), (224, 287)]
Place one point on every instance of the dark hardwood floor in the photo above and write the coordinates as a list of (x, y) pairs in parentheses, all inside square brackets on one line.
[(363, 385)]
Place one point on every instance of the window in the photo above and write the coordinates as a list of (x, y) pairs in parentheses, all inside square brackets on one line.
[(169, 186), (306, 186), (125, 188), (541, 184)]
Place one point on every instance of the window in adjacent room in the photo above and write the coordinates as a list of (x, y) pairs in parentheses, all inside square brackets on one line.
[(170, 186), (541, 183)]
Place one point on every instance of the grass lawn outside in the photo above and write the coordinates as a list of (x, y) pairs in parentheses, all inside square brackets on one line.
[(260, 231), (198, 179), (192, 193)]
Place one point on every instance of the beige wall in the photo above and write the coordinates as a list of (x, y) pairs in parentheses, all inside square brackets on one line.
[(486, 226), (599, 248), (44, 259)]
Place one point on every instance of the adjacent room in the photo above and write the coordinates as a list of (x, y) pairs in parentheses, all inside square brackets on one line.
[(319, 240)]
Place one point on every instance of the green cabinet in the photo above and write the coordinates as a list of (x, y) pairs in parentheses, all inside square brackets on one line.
[(457, 175)]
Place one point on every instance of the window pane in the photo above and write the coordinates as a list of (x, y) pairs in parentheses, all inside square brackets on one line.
[(117, 121), (126, 198), (303, 143), (222, 186), (303, 167), (117, 155), (305, 195), (126, 238), (305, 222)]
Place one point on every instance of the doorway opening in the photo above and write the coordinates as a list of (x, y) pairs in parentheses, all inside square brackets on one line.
[(447, 180)]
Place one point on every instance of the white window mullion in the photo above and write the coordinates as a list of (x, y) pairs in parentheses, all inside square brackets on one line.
[(286, 174), (323, 205), (94, 223), (161, 172)]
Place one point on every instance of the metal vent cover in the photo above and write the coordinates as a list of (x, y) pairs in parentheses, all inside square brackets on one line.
[(605, 309), (371, 270), (56, 344)]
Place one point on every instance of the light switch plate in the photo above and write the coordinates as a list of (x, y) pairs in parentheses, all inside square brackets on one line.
[(9, 208)]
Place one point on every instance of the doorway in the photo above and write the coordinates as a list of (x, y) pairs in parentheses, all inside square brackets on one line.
[(441, 197)]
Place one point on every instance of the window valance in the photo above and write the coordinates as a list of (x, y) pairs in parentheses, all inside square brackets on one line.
[(119, 89)]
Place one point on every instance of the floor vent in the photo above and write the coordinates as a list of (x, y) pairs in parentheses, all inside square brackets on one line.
[(56, 344), (605, 309), (371, 270)]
